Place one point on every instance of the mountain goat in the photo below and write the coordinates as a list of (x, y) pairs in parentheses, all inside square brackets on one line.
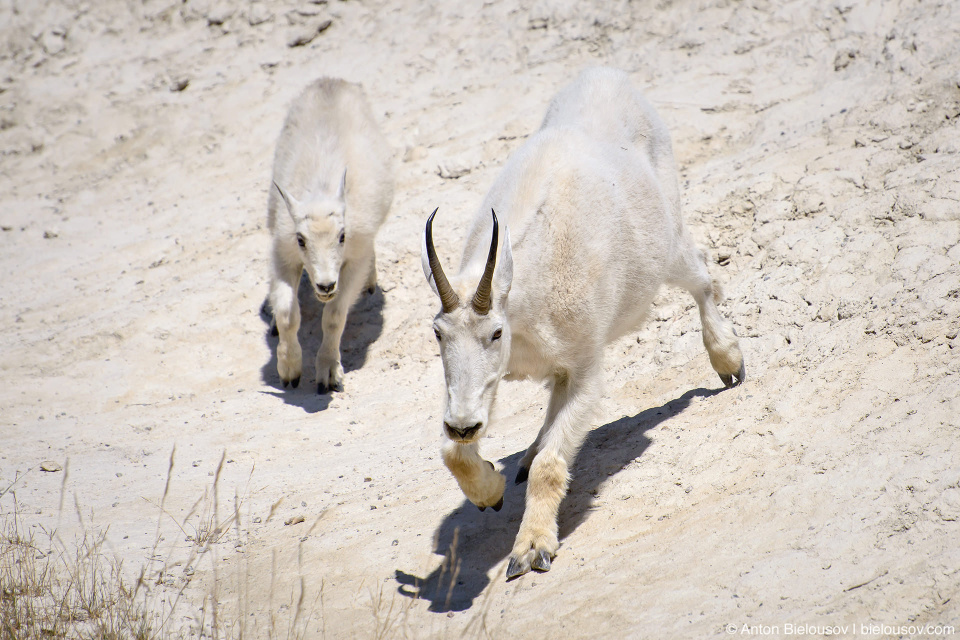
[(589, 210), (332, 188)]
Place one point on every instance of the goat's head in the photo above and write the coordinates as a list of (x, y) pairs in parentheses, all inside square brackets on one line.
[(321, 235), (473, 333)]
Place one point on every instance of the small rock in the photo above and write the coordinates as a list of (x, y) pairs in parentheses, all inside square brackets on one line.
[(294, 520), (50, 466), (179, 84), (417, 152), (306, 35), (53, 41), (843, 59), (50, 233), (452, 169), (220, 14), (258, 14)]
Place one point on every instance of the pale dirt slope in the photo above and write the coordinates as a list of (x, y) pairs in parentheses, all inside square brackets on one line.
[(819, 148)]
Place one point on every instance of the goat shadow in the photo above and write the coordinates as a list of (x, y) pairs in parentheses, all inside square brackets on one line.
[(364, 326), (472, 543)]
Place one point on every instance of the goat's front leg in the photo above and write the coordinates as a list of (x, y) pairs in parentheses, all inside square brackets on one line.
[(571, 407), (284, 282), (478, 478), (353, 275)]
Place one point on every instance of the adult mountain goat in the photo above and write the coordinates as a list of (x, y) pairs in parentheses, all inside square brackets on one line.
[(589, 228), (332, 188)]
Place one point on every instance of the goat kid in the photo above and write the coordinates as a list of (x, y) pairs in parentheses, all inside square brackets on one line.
[(332, 188), (590, 210)]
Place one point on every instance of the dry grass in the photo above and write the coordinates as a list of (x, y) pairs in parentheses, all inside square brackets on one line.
[(80, 589), (52, 589)]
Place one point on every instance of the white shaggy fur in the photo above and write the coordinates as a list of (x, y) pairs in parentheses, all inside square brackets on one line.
[(332, 188), (592, 205)]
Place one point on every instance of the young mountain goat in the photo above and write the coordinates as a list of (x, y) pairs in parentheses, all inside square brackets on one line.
[(332, 188), (591, 228)]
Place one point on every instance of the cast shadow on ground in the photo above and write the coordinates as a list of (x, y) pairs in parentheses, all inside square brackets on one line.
[(473, 543), (364, 326)]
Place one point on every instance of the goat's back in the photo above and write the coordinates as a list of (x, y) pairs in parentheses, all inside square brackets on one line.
[(604, 104), (329, 128), (592, 204)]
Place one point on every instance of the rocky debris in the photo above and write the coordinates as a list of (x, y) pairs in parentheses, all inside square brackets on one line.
[(453, 169), (306, 35)]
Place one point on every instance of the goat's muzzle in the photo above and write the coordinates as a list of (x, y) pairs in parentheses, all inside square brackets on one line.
[(462, 434)]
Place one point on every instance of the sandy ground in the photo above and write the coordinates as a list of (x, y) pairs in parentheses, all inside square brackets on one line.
[(819, 151)]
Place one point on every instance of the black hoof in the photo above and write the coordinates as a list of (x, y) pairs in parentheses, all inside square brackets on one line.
[(481, 508), (370, 290), (499, 504), (295, 382), (730, 381), (516, 568), (285, 383), (522, 475), (322, 388), (541, 562), (274, 331)]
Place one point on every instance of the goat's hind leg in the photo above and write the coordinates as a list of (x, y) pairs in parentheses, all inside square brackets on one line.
[(552, 408), (719, 337)]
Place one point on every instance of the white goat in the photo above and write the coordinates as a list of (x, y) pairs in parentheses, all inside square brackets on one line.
[(592, 205), (333, 171)]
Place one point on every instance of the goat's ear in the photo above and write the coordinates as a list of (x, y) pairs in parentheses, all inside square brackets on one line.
[(342, 187), (503, 276), (425, 263), (292, 204)]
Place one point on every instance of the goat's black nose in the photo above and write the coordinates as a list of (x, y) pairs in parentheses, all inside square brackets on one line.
[(326, 288), (464, 432)]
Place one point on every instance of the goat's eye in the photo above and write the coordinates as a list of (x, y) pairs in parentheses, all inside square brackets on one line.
[(496, 335), (343, 237), (436, 332), (301, 240)]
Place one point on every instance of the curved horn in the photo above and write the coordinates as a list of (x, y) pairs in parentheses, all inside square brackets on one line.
[(481, 299), (448, 297)]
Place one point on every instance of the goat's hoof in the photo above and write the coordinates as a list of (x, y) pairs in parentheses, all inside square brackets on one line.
[(499, 504), (371, 289), (274, 331), (522, 475), (517, 567), (541, 561), (295, 382), (285, 383), (481, 508), (730, 380), (323, 388)]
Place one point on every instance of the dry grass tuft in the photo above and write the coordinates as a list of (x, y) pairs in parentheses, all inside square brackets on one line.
[(49, 589)]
